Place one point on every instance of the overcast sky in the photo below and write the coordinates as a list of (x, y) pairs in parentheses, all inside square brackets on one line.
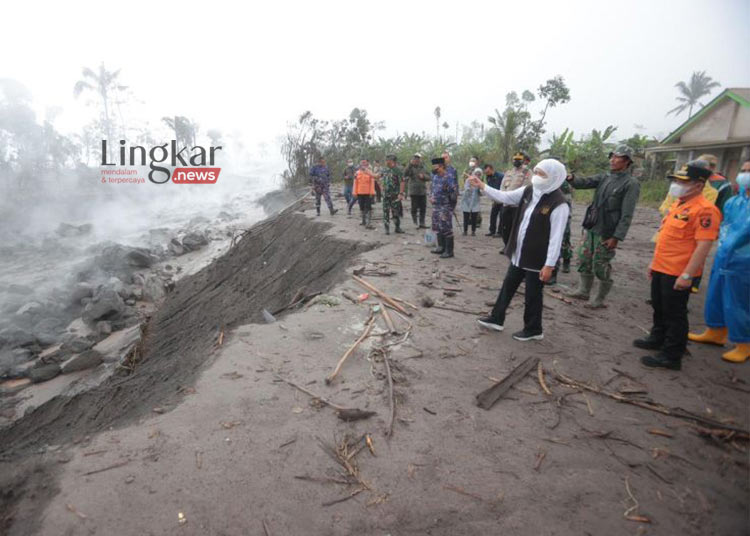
[(251, 68)]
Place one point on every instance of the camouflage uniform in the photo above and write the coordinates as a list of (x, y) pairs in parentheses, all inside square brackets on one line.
[(614, 204), (443, 195), (567, 249), (320, 177), (416, 181), (390, 180), (616, 196)]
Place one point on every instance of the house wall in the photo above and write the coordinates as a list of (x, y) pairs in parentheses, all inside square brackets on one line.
[(741, 127), (714, 126)]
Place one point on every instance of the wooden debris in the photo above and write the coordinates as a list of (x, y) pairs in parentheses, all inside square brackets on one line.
[(221, 337), (487, 398), (266, 530), (540, 375), (539, 459), (388, 320), (75, 511), (391, 399), (678, 413), (659, 432), (628, 514), (350, 351), (349, 297), (385, 297), (343, 412), (560, 297), (113, 466)]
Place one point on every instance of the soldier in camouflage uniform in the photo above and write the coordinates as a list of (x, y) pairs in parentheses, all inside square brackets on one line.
[(393, 193), (320, 179), (614, 202), (443, 196), (417, 178), (567, 248), (349, 172)]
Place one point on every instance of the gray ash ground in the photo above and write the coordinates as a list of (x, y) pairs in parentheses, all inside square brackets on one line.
[(229, 439)]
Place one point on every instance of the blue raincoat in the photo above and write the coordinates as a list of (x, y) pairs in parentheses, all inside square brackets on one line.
[(728, 298)]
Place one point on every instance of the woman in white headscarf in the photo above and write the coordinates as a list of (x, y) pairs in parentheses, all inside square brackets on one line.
[(534, 244)]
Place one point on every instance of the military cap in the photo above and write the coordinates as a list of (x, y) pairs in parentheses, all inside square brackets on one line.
[(693, 170), (438, 161), (519, 156), (622, 150), (417, 155), (391, 157)]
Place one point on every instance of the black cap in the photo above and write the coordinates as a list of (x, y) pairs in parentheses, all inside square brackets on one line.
[(392, 157), (440, 160)]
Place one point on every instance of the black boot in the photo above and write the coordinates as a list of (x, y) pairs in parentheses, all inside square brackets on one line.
[(649, 343), (333, 210), (421, 222), (414, 219), (364, 218), (662, 361), (387, 228), (566, 266), (440, 245), (448, 253), (317, 209), (398, 226), (368, 225)]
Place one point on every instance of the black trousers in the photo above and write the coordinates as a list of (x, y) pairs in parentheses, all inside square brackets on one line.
[(495, 217), (533, 303), (418, 207), (378, 192), (365, 202), (506, 222), (470, 218), (670, 323)]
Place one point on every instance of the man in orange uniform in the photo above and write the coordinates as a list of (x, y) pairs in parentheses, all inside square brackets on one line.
[(685, 238), (364, 191)]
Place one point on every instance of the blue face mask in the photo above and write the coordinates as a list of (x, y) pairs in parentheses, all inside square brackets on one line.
[(743, 180)]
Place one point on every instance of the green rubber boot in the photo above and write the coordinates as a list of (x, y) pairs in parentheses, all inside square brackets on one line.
[(584, 287), (602, 291)]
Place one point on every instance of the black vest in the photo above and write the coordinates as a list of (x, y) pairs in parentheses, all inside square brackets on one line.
[(536, 240)]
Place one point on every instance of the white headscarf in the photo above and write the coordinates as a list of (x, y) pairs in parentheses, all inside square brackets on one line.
[(556, 174)]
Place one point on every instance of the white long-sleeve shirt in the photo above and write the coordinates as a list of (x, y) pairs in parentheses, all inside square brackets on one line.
[(558, 221)]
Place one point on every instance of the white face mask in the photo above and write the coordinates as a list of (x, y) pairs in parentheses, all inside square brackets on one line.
[(539, 182), (679, 190)]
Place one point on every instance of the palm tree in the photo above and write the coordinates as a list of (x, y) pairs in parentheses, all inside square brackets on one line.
[(104, 83), (699, 86), (437, 121)]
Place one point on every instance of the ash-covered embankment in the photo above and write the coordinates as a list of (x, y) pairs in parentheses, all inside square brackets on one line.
[(264, 270)]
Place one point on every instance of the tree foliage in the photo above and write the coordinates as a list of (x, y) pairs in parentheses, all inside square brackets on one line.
[(691, 92)]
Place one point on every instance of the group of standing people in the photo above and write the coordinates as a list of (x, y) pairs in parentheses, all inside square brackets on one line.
[(531, 211)]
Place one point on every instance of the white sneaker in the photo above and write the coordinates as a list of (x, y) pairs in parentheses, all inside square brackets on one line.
[(489, 323)]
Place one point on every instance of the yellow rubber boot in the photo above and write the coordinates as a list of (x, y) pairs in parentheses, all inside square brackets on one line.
[(740, 353), (717, 336)]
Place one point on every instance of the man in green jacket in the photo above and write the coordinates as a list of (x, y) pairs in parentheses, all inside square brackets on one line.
[(417, 178), (614, 204)]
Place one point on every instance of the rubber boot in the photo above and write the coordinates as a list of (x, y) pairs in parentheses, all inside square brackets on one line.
[(440, 245), (317, 209), (601, 293), (448, 253), (369, 220), (398, 230), (387, 228), (740, 354), (333, 210), (584, 287), (414, 219), (421, 222), (566, 266), (717, 336), (364, 218)]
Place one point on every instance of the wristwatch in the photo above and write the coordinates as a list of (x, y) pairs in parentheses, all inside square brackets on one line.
[(686, 277)]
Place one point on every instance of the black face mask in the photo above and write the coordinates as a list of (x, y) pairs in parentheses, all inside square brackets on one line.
[(517, 163)]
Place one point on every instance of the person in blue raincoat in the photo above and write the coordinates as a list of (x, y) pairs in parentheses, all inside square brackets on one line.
[(443, 196), (728, 301)]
